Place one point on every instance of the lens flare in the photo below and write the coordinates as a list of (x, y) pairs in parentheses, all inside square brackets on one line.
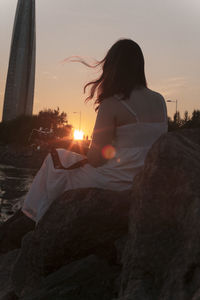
[(108, 152), (78, 134)]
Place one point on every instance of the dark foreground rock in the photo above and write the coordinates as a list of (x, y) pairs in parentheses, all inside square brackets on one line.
[(86, 279), (74, 252), (80, 223), (162, 257), (13, 230), (6, 264)]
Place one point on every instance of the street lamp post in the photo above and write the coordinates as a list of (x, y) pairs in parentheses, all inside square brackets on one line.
[(174, 101)]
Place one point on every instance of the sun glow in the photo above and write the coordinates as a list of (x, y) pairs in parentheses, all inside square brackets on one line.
[(78, 134)]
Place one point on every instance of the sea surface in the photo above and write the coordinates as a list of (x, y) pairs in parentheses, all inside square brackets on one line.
[(14, 184)]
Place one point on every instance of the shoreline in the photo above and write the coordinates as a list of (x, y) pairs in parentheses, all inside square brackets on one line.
[(28, 158), (18, 160)]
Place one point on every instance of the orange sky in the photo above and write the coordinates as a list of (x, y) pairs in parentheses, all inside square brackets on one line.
[(168, 32)]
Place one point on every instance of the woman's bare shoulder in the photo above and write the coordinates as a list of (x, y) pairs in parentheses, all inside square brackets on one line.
[(109, 105), (155, 94), (109, 102)]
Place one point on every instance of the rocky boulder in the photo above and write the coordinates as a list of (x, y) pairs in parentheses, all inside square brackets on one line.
[(13, 230), (6, 264), (80, 223), (86, 279), (162, 257)]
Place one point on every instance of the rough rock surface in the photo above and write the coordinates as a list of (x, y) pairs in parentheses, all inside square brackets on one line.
[(6, 265), (162, 256), (161, 260), (80, 223), (13, 230), (86, 279)]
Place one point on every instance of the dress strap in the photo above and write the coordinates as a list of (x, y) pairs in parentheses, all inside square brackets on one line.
[(129, 109)]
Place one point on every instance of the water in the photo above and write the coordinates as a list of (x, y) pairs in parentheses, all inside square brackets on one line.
[(14, 184)]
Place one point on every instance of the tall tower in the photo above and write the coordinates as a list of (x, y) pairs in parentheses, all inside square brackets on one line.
[(20, 83)]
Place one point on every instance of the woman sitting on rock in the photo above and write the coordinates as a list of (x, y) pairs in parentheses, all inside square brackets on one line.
[(130, 118)]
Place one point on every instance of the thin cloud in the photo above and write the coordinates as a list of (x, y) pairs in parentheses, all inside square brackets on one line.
[(177, 82), (50, 75)]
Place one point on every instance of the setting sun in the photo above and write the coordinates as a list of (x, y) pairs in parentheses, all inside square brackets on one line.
[(78, 134)]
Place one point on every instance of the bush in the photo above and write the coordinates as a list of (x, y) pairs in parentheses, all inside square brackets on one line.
[(19, 130), (187, 121)]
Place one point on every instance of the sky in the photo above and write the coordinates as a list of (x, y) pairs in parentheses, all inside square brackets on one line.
[(167, 31)]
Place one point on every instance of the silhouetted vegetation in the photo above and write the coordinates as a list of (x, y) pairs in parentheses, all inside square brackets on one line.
[(187, 121), (18, 130)]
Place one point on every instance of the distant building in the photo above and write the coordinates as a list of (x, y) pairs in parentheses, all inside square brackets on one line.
[(19, 93)]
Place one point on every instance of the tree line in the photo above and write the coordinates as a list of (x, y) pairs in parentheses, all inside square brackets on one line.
[(18, 131), (187, 121)]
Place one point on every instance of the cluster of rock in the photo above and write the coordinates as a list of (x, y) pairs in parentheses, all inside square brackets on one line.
[(133, 245)]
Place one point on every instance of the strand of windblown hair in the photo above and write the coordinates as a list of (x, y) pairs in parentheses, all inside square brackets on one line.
[(81, 60)]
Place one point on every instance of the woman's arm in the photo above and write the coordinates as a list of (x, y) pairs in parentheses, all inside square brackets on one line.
[(103, 133)]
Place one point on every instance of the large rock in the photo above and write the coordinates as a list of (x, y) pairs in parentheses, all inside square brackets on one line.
[(6, 265), (86, 279), (162, 257), (13, 230), (80, 223)]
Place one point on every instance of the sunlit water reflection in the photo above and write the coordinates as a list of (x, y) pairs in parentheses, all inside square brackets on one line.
[(14, 184)]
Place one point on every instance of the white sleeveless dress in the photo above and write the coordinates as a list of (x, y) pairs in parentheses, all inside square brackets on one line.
[(132, 143)]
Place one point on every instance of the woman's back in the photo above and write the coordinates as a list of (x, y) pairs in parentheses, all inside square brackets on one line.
[(140, 121), (145, 110), (138, 134), (148, 107)]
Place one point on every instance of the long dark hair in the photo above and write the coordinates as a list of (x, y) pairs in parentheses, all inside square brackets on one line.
[(122, 71)]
